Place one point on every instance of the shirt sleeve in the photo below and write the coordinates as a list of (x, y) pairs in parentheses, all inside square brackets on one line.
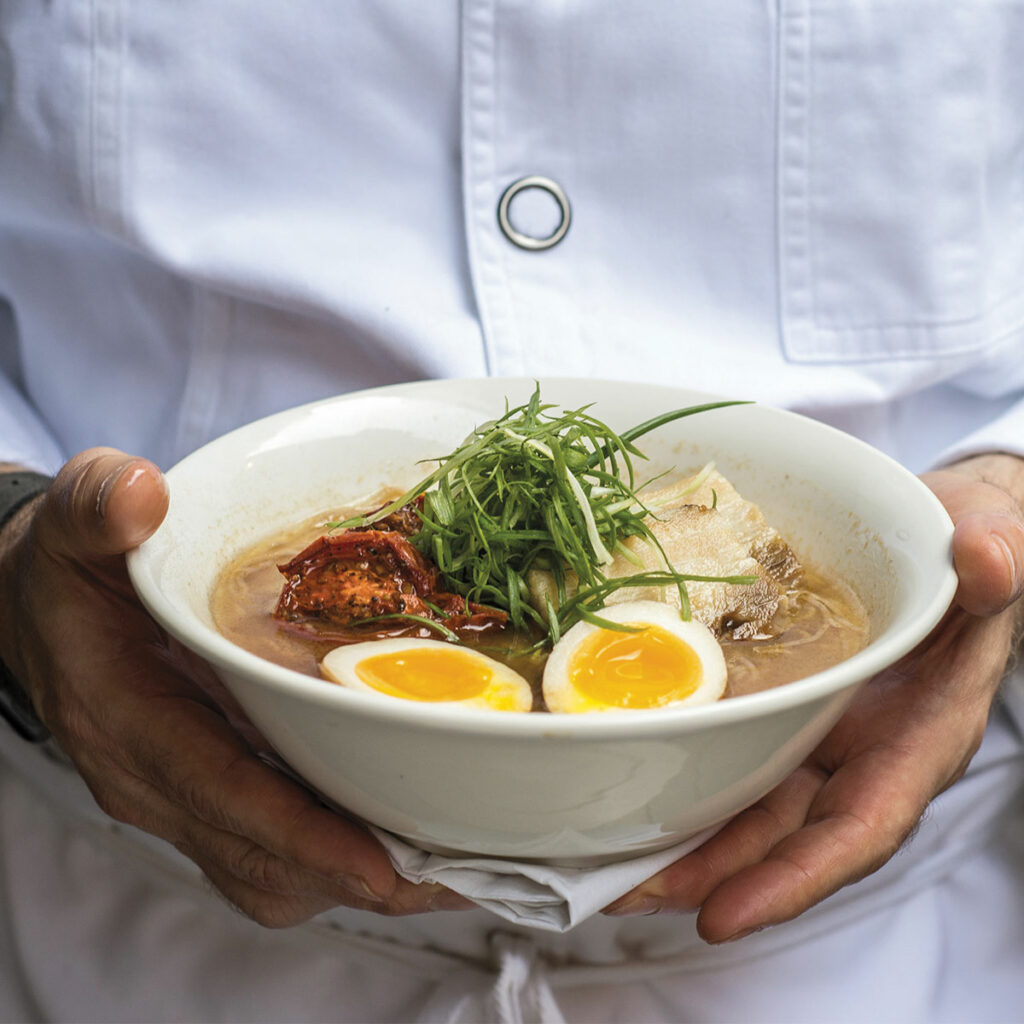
[(24, 438), (1005, 433)]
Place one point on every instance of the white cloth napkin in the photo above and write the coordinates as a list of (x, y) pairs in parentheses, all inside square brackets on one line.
[(536, 895)]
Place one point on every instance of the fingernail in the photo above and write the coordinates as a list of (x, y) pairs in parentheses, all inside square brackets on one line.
[(1016, 582), (635, 906), (140, 471), (360, 887)]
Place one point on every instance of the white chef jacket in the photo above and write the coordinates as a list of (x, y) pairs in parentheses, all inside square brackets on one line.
[(214, 210)]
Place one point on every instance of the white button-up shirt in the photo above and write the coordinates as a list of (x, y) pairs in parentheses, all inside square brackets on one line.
[(210, 211)]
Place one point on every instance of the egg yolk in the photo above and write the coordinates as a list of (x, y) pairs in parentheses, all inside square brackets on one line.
[(427, 675), (647, 669)]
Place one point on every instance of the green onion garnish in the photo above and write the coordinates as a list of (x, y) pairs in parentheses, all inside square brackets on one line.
[(538, 488)]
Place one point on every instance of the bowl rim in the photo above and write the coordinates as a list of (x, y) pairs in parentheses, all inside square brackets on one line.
[(224, 654)]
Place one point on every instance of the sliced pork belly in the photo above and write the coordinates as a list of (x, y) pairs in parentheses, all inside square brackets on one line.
[(706, 529), (742, 518)]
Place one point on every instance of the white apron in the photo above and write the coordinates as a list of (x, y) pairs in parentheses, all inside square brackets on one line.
[(106, 924)]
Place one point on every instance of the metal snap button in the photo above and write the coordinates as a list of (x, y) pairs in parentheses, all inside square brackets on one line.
[(528, 241)]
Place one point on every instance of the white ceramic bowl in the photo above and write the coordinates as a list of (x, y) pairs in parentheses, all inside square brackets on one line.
[(570, 789)]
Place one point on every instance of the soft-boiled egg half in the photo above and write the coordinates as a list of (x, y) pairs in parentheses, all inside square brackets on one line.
[(432, 671), (663, 662)]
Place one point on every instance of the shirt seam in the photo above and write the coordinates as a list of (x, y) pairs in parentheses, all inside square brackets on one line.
[(104, 191)]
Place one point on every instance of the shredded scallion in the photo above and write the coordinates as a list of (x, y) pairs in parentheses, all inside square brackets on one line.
[(539, 488)]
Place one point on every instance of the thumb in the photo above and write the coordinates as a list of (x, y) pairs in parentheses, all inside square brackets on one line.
[(988, 541), (102, 503), (988, 553)]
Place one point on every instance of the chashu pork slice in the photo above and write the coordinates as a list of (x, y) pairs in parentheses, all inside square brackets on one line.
[(705, 529)]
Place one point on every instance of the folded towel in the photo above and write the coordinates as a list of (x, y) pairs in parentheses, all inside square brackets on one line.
[(536, 895)]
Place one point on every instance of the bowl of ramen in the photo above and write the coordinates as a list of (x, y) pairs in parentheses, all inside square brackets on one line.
[(571, 621)]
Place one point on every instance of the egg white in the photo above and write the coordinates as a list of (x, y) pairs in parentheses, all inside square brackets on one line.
[(504, 690), (560, 693)]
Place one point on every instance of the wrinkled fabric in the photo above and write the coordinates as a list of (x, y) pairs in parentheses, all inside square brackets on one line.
[(243, 209), (213, 211), (142, 937)]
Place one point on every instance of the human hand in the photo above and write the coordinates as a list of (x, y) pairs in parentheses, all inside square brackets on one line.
[(147, 725), (909, 734)]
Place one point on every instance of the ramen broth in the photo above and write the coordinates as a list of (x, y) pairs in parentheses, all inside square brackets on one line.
[(819, 622)]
